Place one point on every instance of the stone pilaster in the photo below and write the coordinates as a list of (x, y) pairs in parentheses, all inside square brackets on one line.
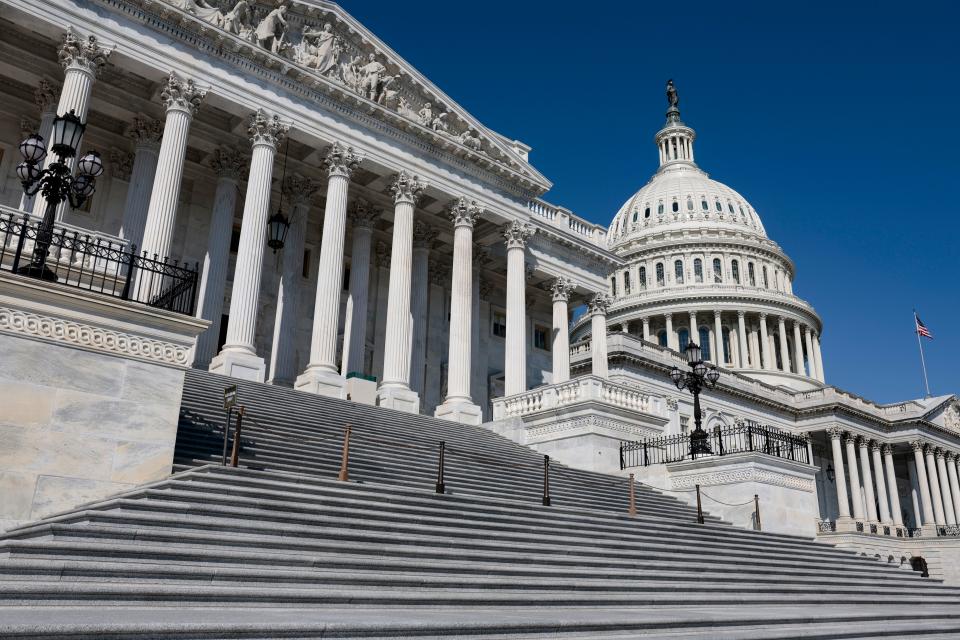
[(362, 219), (146, 135), (394, 391), (239, 358), (598, 334), (515, 367), (560, 349), (229, 165), (458, 406), (321, 375)]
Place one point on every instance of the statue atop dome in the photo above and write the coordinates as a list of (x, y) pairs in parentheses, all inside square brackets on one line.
[(673, 100)]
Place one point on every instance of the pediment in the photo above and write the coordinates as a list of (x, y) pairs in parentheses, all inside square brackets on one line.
[(322, 46), (947, 415)]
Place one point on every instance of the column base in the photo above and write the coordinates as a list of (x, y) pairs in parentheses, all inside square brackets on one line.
[(239, 364), (462, 411), (846, 525), (399, 399), (280, 382), (323, 383)]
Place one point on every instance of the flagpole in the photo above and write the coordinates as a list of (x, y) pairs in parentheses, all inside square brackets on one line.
[(923, 362)]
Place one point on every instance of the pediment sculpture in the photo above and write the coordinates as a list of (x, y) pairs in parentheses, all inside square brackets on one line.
[(951, 416)]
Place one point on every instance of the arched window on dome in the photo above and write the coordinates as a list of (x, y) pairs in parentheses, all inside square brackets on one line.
[(660, 209), (751, 275), (719, 206), (635, 214), (689, 204), (678, 271), (766, 282), (704, 205), (726, 345), (646, 212), (742, 213), (717, 271), (684, 338), (662, 337), (660, 279), (626, 283), (698, 270), (730, 207), (643, 278), (735, 271), (676, 206), (705, 345)]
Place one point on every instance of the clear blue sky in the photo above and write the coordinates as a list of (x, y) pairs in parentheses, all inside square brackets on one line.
[(838, 122)]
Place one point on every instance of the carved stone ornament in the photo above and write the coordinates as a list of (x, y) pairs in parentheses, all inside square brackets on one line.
[(341, 160), (362, 215), (918, 445), (672, 404), (121, 164), (599, 304), (228, 162), (951, 417), (80, 53), (875, 446), (439, 272), (382, 255), (181, 94), (423, 236), (27, 127), (465, 212), (517, 233), (887, 449), (45, 96), (299, 189), (835, 433), (145, 131), (266, 129), (406, 188), (561, 288), (938, 453)]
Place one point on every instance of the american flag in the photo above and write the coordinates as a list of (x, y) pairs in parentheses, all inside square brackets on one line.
[(922, 328)]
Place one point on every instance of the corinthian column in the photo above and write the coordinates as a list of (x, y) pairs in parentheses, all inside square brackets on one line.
[(784, 348), (926, 500), (394, 391), (818, 357), (561, 288), (951, 464), (811, 359), (869, 497), (423, 239), (321, 375), (362, 219), (229, 165), (458, 405), (766, 361), (81, 59), (797, 349), (515, 365), (283, 355), (239, 358), (717, 345), (742, 340), (843, 501), (45, 97), (892, 488), (855, 489), (950, 516), (182, 99), (146, 135), (598, 334), (882, 498)]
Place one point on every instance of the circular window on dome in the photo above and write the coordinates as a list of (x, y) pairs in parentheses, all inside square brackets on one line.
[(676, 207), (646, 213)]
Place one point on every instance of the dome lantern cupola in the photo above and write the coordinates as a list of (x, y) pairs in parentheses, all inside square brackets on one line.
[(675, 140)]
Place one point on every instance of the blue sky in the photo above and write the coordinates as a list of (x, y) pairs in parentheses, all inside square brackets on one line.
[(838, 122)]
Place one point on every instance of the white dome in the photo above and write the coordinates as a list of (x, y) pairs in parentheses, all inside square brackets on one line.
[(678, 195)]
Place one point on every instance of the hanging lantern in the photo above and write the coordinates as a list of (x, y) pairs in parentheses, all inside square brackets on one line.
[(277, 227)]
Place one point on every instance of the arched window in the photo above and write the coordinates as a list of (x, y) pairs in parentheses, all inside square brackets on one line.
[(766, 283), (662, 337), (719, 206), (689, 204), (705, 343), (726, 345), (660, 280), (676, 206), (613, 285), (626, 283), (735, 271), (751, 274), (643, 278), (660, 209), (678, 271), (730, 207), (635, 214), (646, 212), (684, 337), (741, 212), (704, 205), (698, 270), (717, 270)]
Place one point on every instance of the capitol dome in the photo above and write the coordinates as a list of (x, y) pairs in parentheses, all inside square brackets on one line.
[(697, 265)]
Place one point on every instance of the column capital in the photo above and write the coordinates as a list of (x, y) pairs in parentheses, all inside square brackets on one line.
[(717, 313), (850, 437), (949, 455), (887, 449), (266, 129), (423, 236), (517, 233), (763, 316), (341, 160), (406, 188), (875, 445), (741, 314), (939, 453), (668, 316), (121, 164), (145, 132), (229, 163), (465, 213), (917, 445), (362, 215), (835, 433), (382, 255), (298, 189), (599, 304), (181, 95), (45, 96), (82, 53), (561, 289), (797, 324), (863, 442)]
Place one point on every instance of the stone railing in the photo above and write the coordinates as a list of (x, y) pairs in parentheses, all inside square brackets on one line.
[(566, 220), (583, 389)]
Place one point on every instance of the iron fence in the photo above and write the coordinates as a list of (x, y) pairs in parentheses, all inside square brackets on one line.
[(107, 266), (721, 441)]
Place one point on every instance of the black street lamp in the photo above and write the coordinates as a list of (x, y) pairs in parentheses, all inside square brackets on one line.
[(701, 377), (55, 183)]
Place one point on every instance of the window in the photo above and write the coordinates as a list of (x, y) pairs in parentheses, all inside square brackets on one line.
[(698, 270), (626, 283), (751, 274), (689, 204), (662, 337), (735, 271), (541, 337), (704, 205), (684, 424), (660, 279), (766, 283), (717, 270), (719, 206), (730, 207), (676, 206), (305, 267), (726, 345), (613, 285), (741, 211), (660, 209), (643, 277), (646, 212), (684, 337), (705, 343), (635, 214), (499, 324), (678, 271)]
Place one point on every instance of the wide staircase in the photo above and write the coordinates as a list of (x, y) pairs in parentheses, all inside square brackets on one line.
[(279, 548)]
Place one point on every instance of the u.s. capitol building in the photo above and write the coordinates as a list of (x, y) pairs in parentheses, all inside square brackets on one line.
[(286, 201)]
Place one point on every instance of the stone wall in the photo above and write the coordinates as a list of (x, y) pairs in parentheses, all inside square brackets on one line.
[(941, 554)]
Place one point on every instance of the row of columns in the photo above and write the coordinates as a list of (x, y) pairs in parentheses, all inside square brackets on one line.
[(936, 471)]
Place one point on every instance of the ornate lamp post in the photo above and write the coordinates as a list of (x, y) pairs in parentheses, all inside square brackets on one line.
[(701, 377), (55, 183)]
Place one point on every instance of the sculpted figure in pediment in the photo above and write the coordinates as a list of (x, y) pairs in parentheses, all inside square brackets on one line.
[(237, 20), (389, 93), (470, 139), (321, 49), (272, 29), (439, 123), (200, 9), (372, 75), (425, 115)]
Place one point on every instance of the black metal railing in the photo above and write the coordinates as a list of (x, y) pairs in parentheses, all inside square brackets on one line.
[(721, 441), (102, 265)]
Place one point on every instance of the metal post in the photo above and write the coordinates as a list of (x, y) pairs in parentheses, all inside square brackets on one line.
[(546, 481), (699, 507), (441, 488), (23, 237), (756, 507), (125, 294), (344, 460), (646, 458), (632, 510), (226, 434), (235, 456), (621, 457)]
